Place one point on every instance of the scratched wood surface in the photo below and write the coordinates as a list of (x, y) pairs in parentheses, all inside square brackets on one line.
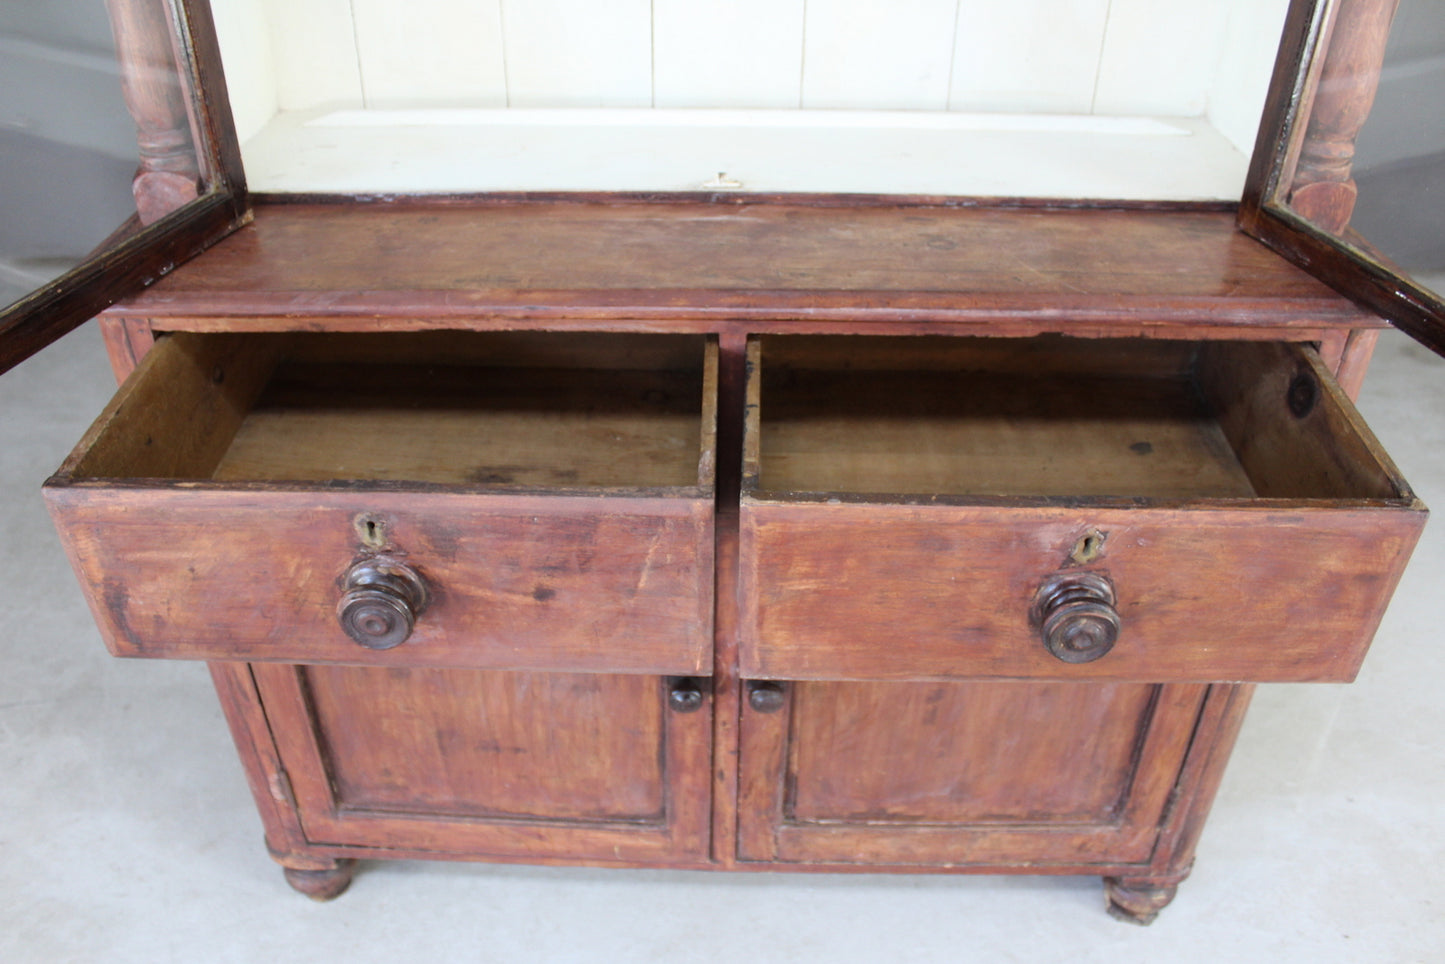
[(472, 263)]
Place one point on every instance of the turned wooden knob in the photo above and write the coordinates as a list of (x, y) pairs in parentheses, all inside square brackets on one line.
[(1076, 618), (380, 601), (685, 695), (766, 697)]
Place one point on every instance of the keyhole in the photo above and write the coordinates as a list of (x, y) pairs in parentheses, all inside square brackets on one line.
[(371, 530), (1089, 548)]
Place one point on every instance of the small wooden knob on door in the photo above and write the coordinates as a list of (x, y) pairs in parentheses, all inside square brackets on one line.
[(765, 696), (1075, 616), (685, 695), (380, 601)]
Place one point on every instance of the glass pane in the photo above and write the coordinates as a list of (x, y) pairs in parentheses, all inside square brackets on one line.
[(69, 138), (1400, 155), (1369, 166)]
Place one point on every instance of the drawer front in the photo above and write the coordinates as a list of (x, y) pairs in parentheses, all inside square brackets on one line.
[(512, 582), (527, 501), (949, 592), (1131, 511)]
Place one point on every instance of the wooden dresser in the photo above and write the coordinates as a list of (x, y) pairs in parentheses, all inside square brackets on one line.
[(737, 531)]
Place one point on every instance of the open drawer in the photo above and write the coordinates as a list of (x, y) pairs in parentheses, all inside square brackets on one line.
[(490, 500), (1061, 509)]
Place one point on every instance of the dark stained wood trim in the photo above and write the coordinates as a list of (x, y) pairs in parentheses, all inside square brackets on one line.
[(1415, 310), (1412, 309), (1075, 869), (84, 292), (1286, 99), (222, 159)]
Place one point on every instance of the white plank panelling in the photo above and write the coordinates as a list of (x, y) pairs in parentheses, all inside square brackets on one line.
[(727, 53), (431, 53), (938, 58), (578, 53), (1028, 55), (679, 150), (314, 46), (245, 38), (866, 54), (1241, 78), (1160, 58)]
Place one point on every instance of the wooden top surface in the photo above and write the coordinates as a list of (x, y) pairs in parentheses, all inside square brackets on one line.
[(741, 257)]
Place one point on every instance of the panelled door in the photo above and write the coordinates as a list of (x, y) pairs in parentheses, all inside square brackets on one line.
[(960, 773), (510, 764)]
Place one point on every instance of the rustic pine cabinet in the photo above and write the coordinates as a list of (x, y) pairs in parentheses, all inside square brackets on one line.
[(723, 530)]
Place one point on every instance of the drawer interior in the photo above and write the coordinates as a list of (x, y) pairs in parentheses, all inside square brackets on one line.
[(527, 409), (1054, 417)]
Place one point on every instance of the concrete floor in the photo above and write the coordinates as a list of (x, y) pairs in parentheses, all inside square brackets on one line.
[(127, 832)]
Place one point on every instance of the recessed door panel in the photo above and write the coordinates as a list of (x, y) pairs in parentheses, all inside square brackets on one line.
[(482, 763), (960, 773)]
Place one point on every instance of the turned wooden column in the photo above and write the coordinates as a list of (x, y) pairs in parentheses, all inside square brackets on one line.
[(1323, 189), (169, 174)]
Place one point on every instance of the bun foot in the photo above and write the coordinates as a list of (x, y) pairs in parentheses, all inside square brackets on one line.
[(322, 884), (1138, 900)]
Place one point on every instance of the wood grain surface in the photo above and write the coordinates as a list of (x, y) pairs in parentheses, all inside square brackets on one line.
[(856, 556), (521, 765), (962, 773), (875, 591), (907, 535), (887, 262)]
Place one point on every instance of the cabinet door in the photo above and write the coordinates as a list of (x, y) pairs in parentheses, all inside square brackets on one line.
[(962, 773), (485, 763)]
